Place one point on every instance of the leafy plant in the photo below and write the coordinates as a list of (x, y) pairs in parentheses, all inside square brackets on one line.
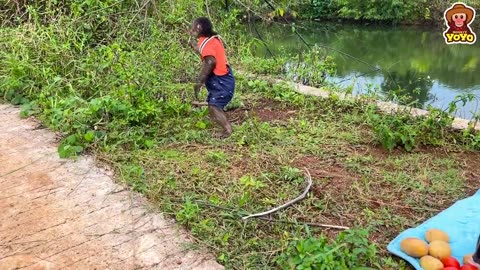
[(70, 146), (395, 130), (188, 212), (324, 8), (389, 10), (350, 250), (311, 68), (292, 174), (250, 182), (402, 128)]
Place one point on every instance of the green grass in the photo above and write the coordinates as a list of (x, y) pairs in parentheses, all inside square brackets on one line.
[(208, 185)]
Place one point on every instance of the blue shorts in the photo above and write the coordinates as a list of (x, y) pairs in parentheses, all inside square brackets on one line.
[(220, 89)]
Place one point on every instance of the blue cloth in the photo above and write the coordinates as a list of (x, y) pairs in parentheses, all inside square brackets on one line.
[(220, 89), (460, 221)]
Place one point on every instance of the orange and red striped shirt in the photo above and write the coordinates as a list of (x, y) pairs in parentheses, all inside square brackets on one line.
[(213, 46)]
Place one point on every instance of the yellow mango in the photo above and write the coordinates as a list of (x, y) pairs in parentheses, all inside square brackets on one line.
[(430, 263), (436, 234), (414, 247), (439, 249)]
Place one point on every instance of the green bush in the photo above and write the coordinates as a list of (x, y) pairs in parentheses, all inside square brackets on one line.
[(388, 10), (408, 11), (82, 69), (401, 129), (325, 8)]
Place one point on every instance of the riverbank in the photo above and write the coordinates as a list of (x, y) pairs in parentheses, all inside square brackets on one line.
[(458, 124), (438, 24), (407, 65)]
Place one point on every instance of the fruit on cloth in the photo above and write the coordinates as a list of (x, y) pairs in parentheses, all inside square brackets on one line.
[(439, 249), (451, 268), (430, 263), (468, 267), (450, 261), (467, 258), (436, 234), (414, 247)]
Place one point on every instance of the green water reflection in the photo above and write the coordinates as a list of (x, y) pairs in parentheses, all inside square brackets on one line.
[(416, 60)]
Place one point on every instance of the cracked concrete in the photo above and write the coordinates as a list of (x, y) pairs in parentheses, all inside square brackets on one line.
[(66, 214)]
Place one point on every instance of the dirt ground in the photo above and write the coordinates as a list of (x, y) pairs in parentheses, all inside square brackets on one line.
[(269, 111), (69, 214)]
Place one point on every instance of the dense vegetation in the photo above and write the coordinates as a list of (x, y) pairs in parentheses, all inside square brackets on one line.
[(407, 11), (114, 78)]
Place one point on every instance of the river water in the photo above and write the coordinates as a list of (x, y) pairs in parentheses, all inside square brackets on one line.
[(407, 61)]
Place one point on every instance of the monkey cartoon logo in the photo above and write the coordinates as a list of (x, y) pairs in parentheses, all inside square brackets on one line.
[(458, 19)]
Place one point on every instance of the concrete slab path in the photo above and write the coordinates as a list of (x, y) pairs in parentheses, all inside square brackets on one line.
[(66, 214)]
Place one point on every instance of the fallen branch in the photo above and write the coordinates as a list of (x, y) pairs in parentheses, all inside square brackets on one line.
[(401, 206), (306, 223), (198, 103), (283, 206), (236, 211)]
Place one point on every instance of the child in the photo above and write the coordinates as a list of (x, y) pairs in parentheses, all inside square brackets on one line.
[(216, 74)]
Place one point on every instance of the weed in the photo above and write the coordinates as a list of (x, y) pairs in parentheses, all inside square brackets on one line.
[(70, 146), (350, 250), (311, 68), (251, 183), (188, 212), (403, 129)]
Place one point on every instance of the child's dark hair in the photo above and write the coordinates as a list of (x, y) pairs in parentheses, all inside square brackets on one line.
[(207, 27)]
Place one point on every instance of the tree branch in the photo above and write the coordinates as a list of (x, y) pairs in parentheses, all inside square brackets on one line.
[(283, 206), (305, 223)]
